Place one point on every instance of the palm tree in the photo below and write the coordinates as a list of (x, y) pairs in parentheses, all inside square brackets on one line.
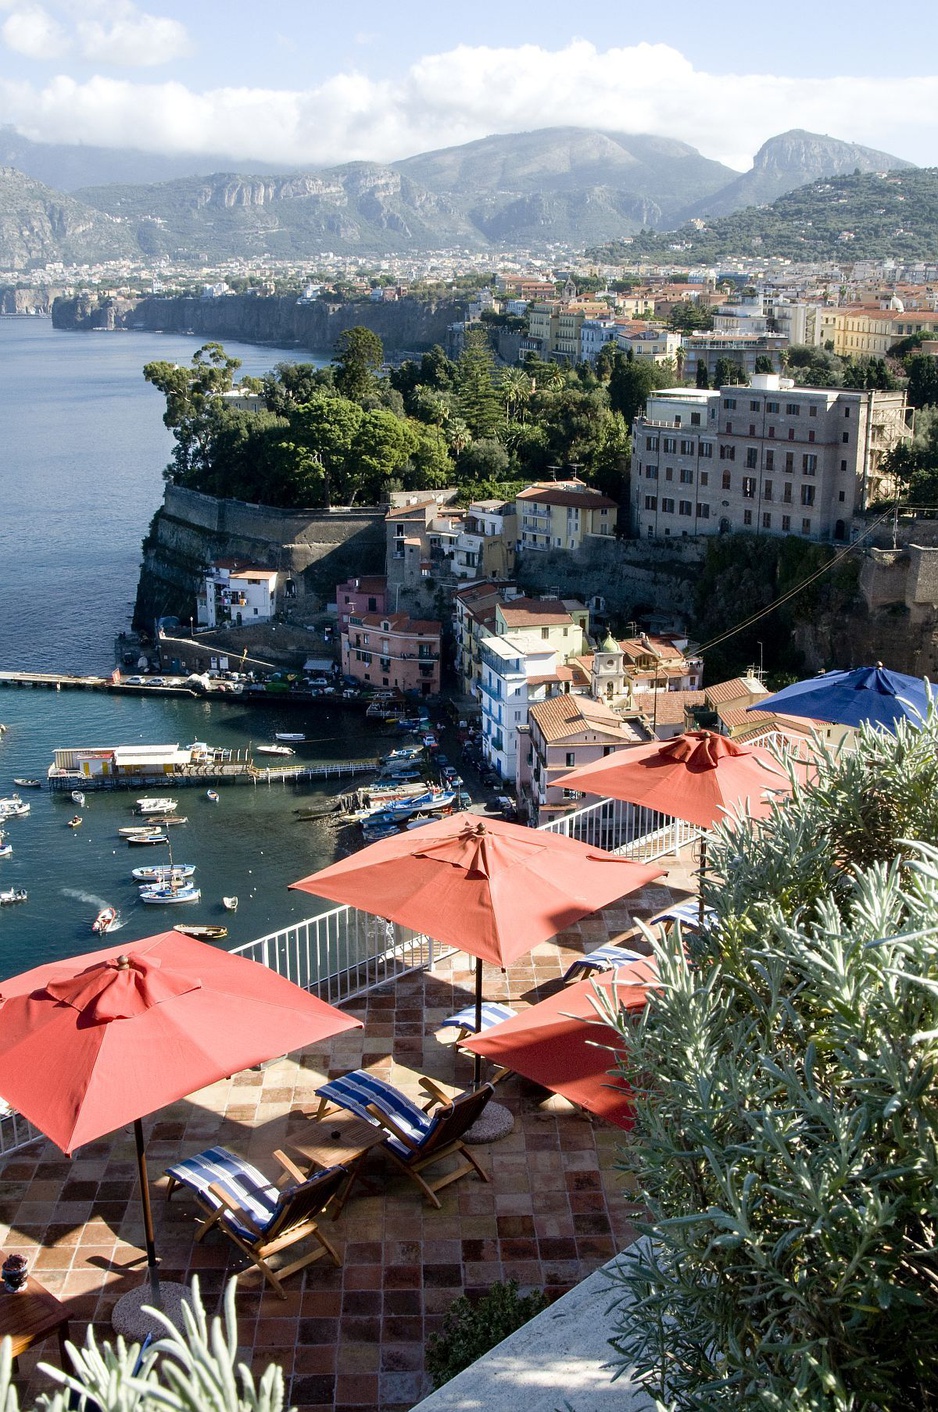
[(517, 388)]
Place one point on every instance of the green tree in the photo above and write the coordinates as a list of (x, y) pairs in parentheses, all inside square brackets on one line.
[(477, 396), (923, 380), (690, 317), (632, 380), (381, 447), (359, 353), (703, 380), (292, 384), (430, 466), (191, 403), (326, 427), (728, 372), (763, 364)]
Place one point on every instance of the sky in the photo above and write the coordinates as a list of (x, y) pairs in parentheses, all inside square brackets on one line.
[(302, 82)]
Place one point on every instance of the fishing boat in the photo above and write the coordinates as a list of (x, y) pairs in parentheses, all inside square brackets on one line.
[(163, 872), (273, 750), (163, 894), (296, 737), (212, 796), (230, 904), (6, 850), (28, 784), (141, 838), (13, 807), (78, 798), (75, 821), (12, 894), (406, 752), (105, 920), (165, 821), (156, 806), (199, 931)]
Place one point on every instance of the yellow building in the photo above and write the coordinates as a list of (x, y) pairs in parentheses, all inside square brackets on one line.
[(870, 330), (562, 515)]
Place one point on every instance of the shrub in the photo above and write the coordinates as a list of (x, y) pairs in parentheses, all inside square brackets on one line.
[(787, 1111), (471, 1329)]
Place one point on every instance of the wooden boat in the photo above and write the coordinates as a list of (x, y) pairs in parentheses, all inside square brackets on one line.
[(28, 784), (75, 822), (140, 838), (296, 737), (105, 920), (202, 931), (163, 872), (163, 894), (135, 830), (165, 821), (230, 904), (12, 894), (78, 798), (212, 796)]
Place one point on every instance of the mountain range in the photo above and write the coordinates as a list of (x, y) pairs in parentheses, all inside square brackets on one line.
[(565, 186)]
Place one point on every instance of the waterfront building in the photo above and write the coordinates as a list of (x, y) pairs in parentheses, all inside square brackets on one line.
[(392, 650), (768, 458), (562, 515), (360, 595), (562, 733), (514, 675), (560, 622), (474, 619), (237, 593), (422, 529)]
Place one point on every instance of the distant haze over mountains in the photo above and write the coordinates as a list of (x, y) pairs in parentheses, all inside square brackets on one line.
[(572, 186)]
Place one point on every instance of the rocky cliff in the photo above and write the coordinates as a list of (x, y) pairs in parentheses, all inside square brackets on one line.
[(17, 302), (404, 324)]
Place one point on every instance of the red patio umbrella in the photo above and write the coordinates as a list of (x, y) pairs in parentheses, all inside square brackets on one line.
[(565, 1044), (90, 1044), (699, 776), (490, 888)]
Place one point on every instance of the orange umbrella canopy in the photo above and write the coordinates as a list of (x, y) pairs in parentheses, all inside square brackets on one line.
[(697, 777), (90, 1044), (487, 887), (564, 1043)]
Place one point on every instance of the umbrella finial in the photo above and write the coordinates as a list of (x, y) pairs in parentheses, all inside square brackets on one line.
[(123, 963)]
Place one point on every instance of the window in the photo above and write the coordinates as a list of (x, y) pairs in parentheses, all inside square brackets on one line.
[(670, 444), (787, 493), (570, 759), (842, 495), (812, 411), (770, 460), (754, 406), (685, 507), (786, 523), (747, 517), (767, 490), (729, 428), (651, 502), (771, 433), (811, 435), (695, 419), (667, 506), (727, 480), (752, 457), (792, 409), (752, 428), (789, 461), (843, 465), (669, 472), (651, 443), (766, 520), (845, 436), (749, 487), (773, 406), (545, 633), (805, 526), (687, 477), (846, 411), (809, 465), (704, 478), (807, 495), (729, 403), (706, 449), (687, 448), (651, 472), (703, 511), (791, 433), (727, 453)]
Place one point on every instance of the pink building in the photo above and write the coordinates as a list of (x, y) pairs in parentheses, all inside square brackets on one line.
[(392, 650), (360, 595)]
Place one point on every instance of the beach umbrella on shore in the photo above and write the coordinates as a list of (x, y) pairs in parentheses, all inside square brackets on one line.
[(99, 1041), (867, 695), (489, 888)]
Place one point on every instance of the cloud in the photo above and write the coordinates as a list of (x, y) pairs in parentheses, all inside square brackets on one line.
[(112, 32), (470, 92)]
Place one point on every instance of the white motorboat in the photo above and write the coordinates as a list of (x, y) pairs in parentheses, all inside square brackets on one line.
[(78, 798), (230, 904), (212, 796), (6, 850), (167, 893), (297, 737), (12, 894), (13, 807), (273, 750), (106, 919), (156, 806), (163, 873)]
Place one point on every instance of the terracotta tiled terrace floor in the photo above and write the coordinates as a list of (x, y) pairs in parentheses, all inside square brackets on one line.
[(349, 1338)]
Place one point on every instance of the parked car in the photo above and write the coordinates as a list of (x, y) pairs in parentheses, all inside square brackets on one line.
[(134, 681)]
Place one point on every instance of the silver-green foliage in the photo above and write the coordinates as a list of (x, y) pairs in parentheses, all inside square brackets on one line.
[(195, 1370), (787, 1118)]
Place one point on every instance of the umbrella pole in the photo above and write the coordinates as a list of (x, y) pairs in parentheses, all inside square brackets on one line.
[(700, 885), (477, 1066), (149, 1237)]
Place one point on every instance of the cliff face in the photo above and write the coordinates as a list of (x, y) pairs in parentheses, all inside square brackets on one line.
[(27, 302), (403, 324)]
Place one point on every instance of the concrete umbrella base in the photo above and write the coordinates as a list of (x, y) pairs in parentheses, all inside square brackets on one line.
[(131, 1319)]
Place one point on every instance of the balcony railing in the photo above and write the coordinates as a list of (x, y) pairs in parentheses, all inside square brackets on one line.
[(628, 830)]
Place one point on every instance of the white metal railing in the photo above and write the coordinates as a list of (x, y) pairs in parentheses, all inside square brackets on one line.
[(15, 1131), (628, 830)]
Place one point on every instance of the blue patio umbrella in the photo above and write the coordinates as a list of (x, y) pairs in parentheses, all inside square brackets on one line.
[(870, 694)]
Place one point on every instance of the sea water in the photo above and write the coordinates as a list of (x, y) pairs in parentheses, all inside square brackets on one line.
[(82, 449)]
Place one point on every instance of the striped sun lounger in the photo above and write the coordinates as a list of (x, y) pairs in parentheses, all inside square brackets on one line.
[(605, 958)]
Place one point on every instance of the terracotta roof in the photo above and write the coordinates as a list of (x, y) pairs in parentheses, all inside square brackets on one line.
[(561, 716), (533, 612), (733, 690), (584, 499), (670, 706), (399, 622), (561, 674), (374, 584), (660, 647)]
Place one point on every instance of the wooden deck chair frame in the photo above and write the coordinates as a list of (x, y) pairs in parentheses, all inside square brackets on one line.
[(445, 1139)]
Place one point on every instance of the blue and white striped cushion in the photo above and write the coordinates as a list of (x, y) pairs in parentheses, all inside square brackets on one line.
[(242, 1182), (356, 1090), (604, 958), (687, 913), (493, 1012)]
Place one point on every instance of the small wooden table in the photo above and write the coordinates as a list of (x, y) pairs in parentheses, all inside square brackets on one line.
[(31, 1315), (340, 1141)]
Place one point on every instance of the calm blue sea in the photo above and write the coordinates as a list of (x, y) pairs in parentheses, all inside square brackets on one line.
[(82, 449)]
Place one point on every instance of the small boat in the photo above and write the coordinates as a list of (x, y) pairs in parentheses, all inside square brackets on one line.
[(164, 893), (406, 752), (273, 750), (140, 838), (28, 784), (163, 872), (75, 821), (230, 904), (12, 894), (165, 821), (78, 798), (105, 920), (296, 737), (13, 808), (212, 796), (135, 830), (156, 806), (6, 850), (207, 931)]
